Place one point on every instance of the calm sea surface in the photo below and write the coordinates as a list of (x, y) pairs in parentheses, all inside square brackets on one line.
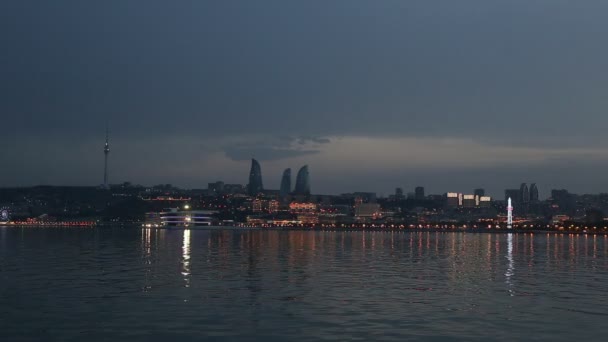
[(132, 284)]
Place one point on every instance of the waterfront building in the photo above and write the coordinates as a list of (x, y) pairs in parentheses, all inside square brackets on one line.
[(367, 210), (308, 219), (419, 193), (302, 207), (255, 185), (303, 181), (285, 184), (174, 217), (258, 205), (273, 206)]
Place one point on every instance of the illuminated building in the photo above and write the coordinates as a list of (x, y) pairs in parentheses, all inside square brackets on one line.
[(306, 212), (485, 201), (468, 201), (533, 193), (285, 184), (255, 185), (419, 193), (257, 205), (367, 210), (308, 218), (179, 218), (452, 199), (303, 181), (559, 219), (273, 206), (298, 208)]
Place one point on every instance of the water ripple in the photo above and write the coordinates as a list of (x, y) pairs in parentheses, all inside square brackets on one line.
[(141, 285)]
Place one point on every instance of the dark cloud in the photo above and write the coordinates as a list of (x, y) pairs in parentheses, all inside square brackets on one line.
[(314, 140), (524, 73), (265, 153)]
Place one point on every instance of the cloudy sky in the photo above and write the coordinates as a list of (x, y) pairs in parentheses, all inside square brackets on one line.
[(372, 95)]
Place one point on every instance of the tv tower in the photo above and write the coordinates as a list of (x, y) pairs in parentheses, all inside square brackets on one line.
[(106, 151), (509, 214)]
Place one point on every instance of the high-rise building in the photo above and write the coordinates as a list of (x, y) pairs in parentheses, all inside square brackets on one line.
[(419, 193), (533, 193), (468, 201), (524, 194), (255, 185), (398, 193), (485, 201), (285, 184), (216, 188), (303, 181), (452, 199), (479, 192)]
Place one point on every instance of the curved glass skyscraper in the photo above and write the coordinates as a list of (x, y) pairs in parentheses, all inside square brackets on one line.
[(285, 183), (524, 193), (255, 185), (533, 193), (303, 182)]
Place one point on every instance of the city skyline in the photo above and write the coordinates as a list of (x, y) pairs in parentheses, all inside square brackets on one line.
[(373, 96)]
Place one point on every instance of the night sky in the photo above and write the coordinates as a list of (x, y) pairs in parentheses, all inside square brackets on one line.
[(372, 95)]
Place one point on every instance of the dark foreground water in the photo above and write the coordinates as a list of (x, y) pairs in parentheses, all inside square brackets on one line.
[(131, 284)]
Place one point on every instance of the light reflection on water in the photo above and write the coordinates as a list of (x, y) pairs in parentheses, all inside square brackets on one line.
[(142, 284), (510, 267), (186, 258)]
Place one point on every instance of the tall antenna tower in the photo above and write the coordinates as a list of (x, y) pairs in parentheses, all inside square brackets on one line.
[(106, 152)]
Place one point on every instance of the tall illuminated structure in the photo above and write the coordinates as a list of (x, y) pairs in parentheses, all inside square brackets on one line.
[(106, 152), (303, 181), (255, 185), (509, 214), (285, 184)]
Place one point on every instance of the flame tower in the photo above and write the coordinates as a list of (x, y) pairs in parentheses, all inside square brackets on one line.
[(106, 152)]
